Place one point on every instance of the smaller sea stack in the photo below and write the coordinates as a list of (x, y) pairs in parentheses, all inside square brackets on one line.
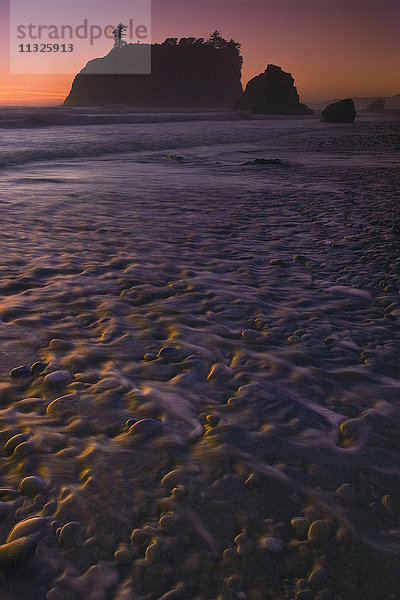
[(343, 111), (272, 93), (376, 106)]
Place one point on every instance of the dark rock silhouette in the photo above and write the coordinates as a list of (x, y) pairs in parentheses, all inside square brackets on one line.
[(262, 161), (343, 111), (272, 93), (186, 73), (377, 106)]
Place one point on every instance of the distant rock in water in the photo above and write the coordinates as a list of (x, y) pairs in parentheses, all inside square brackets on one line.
[(272, 93), (262, 161), (377, 106), (393, 103), (187, 73), (343, 111)]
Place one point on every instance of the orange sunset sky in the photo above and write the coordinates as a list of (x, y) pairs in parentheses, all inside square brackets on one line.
[(333, 48)]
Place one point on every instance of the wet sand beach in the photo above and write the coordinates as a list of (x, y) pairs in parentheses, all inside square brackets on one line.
[(200, 372)]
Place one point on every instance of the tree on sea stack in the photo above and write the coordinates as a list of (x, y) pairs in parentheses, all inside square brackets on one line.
[(217, 40), (119, 33)]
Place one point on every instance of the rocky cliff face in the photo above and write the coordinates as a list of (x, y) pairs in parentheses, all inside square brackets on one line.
[(273, 93), (184, 73)]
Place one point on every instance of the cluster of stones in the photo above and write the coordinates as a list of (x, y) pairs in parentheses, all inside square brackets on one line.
[(159, 542)]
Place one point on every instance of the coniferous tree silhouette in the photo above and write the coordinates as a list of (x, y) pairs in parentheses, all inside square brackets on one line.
[(119, 33)]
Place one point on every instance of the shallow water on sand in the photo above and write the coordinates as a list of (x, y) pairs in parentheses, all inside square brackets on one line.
[(217, 411)]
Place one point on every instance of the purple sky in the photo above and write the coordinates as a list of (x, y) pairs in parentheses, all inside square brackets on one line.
[(333, 48)]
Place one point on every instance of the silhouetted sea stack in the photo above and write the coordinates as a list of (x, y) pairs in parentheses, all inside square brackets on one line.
[(343, 111), (186, 73), (272, 93), (377, 106)]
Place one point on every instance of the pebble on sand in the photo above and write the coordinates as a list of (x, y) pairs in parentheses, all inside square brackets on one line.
[(23, 450), (230, 558), (145, 427), (219, 373), (26, 528), (252, 335), (57, 344), (174, 157), (174, 478), (153, 552), (139, 536), (64, 405), (179, 492), (351, 427), (21, 371), (300, 258), (71, 534), (319, 532), (212, 420), (169, 523), (33, 485), (38, 367), (347, 492), (15, 441), (17, 552), (277, 262), (300, 526), (50, 508), (318, 578), (8, 494), (123, 555), (245, 545), (177, 593), (58, 379), (391, 504), (169, 353), (273, 544)]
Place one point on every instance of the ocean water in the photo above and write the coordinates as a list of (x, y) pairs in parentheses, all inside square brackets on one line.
[(34, 135), (73, 147)]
